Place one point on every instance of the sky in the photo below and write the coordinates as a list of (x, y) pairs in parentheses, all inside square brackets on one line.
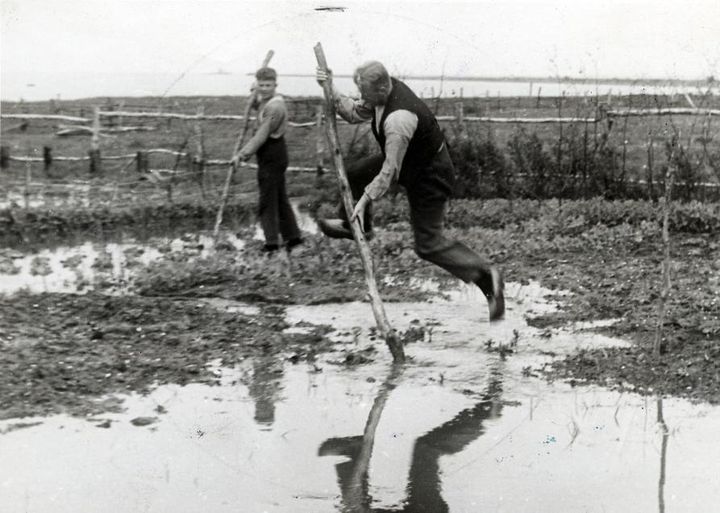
[(580, 38)]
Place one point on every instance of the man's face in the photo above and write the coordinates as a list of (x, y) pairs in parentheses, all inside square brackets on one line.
[(266, 88), (372, 96)]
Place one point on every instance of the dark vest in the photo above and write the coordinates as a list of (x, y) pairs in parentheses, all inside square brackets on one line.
[(428, 137)]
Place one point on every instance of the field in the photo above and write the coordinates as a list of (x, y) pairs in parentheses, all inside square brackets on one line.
[(606, 250), (117, 309), (621, 150)]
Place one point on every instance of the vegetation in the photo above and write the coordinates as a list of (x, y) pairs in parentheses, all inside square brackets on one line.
[(577, 207)]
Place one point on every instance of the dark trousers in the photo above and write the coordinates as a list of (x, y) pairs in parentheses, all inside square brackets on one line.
[(428, 190), (274, 210)]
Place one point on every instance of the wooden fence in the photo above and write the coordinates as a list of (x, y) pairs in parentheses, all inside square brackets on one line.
[(97, 130), (197, 162)]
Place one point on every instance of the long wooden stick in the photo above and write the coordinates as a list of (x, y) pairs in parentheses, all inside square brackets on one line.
[(391, 338), (238, 145), (658, 347)]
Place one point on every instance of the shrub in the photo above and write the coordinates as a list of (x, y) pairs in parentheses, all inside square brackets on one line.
[(531, 162), (481, 168)]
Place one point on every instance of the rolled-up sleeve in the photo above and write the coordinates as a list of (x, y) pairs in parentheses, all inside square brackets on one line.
[(273, 116), (399, 128), (352, 110)]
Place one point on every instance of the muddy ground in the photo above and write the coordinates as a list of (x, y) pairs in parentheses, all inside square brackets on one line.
[(64, 352)]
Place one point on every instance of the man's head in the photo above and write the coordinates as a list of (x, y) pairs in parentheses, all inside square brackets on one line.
[(373, 81), (266, 82)]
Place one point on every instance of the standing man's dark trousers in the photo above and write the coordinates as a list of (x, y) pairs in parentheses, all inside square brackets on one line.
[(428, 190), (274, 210)]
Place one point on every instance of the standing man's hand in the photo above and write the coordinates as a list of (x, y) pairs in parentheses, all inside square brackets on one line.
[(359, 211), (239, 158)]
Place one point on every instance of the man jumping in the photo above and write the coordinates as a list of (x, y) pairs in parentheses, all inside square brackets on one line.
[(414, 154)]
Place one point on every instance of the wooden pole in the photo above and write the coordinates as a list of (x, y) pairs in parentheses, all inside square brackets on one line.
[(319, 149), (650, 165), (658, 346), (28, 177), (238, 145), (47, 159), (4, 156), (200, 158), (461, 119), (391, 338), (95, 161), (141, 160)]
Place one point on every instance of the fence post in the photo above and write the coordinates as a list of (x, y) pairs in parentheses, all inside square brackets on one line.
[(109, 107), (625, 143), (95, 161), (4, 157), (169, 120), (141, 162), (47, 158), (199, 160), (658, 345), (650, 164), (28, 177), (461, 118), (319, 137)]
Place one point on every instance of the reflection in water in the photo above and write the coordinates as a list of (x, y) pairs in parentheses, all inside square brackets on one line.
[(265, 387), (353, 474), (663, 455), (424, 484)]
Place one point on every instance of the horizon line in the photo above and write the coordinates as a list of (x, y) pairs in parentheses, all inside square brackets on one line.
[(528, 78)]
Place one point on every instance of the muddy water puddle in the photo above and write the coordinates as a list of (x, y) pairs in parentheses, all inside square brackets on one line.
[(462, 427), (109, 266)]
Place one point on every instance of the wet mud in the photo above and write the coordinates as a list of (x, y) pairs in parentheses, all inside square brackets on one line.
[(171, 373), (460, 427), (146, 303)]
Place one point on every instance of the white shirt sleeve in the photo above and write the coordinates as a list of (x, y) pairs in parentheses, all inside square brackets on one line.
[(350, 109), (399, 127)]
